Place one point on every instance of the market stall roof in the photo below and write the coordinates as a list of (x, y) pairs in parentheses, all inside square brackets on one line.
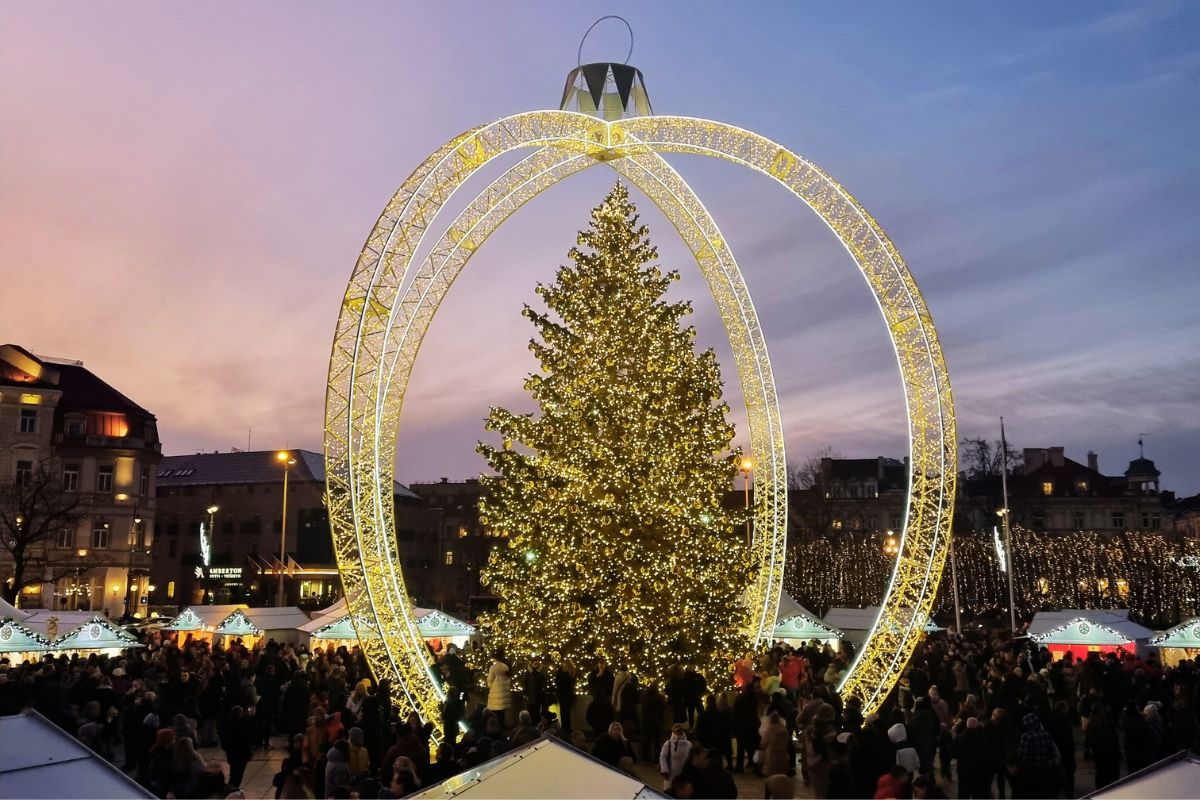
[(96, 633), (431, 624), (332, 626), (280, 618), (546, 768), (794, 621), (39, 759), (238, 624), (1086, 626), (851, 619), (17, 637), (339, 607), (1185, 634), (1173, 777), (194, 618), (9, 611), (63, 621)]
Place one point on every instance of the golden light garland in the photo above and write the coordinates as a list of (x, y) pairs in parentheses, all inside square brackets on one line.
[(1155, 576)]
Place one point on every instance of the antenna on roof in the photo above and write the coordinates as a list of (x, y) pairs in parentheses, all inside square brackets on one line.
[(1141, 451), (248, 429)]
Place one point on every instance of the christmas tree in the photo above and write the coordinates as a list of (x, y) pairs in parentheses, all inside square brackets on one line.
[(609, 498)]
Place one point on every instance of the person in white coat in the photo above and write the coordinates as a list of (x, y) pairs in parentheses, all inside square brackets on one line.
[(674, 755), (499, 686)]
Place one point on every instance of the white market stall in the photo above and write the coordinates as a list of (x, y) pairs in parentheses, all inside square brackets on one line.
[(200, 622), (96, 635), (1081, 631), (53, 624), (39, 759), (283, 624), (1176, 776), (798, 626), (20, 643), (544, 769), (1179, 643), (332, 628)]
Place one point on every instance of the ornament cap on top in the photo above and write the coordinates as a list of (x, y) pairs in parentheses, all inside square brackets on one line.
[(606, 89)]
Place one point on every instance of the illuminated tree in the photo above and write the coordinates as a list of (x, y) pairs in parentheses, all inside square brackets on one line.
[(610, 497)]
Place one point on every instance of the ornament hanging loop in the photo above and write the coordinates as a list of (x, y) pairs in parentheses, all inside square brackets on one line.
[(628, 27)]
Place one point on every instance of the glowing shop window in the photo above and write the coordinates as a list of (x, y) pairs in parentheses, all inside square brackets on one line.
[(449, 558), (1043, 585), (1122, 587), (170, 589), (1102, 586)]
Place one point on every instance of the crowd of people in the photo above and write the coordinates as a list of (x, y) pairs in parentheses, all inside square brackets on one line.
[(976, 716)]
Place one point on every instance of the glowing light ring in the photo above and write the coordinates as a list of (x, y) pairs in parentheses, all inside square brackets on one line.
[(360, 472)]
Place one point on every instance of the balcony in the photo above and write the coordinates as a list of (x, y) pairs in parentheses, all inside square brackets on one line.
[(108, 442)]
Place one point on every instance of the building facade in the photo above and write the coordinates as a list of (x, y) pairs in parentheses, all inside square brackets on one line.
[(219, 530), (97, 452)]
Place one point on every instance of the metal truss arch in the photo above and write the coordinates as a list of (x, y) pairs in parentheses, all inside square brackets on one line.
[(388, 305)]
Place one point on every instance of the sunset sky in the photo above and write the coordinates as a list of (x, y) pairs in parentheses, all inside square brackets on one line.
[(184, 190)]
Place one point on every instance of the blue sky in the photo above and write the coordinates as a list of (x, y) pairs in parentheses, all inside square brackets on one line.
[(193, 183)]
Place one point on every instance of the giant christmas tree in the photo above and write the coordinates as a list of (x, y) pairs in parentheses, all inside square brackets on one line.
[(610, 496)]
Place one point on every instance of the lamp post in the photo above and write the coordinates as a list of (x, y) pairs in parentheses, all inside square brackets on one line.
[(745, 466), (130, 601), (284, 458)]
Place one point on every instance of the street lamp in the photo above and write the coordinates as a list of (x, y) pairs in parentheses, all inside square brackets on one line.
[(745, 465), (891, 545), (285, 458)]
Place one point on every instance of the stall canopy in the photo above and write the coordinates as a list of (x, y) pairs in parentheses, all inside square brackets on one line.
[(201, 618), (96, 633), (334, 623), (1180, 642), (546, 768), (796, 623), (334, 627), (53, 624), (238, 624), (17, 637), (1080, 631), (9, 611), (38, 759), (1174, 777)]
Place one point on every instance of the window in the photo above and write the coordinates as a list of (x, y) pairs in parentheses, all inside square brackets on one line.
[(1039, 521), (144, 483), (1122, 587), (1118, 519), (70, 477), (894, 521), (101, 534), (1151, 519), (64, 539), (873, 523), (170, 589), (29, 420), (1048, 488), (1077, 520), (837, 524), (75, 427), (104, 478), (449, 558), (1081, 487), (24, 475)]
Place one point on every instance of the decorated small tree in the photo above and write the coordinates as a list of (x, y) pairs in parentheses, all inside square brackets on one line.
[(608, 501)]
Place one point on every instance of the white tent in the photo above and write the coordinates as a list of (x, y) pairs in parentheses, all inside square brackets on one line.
[(1174, 777), (796, 625), (201, 619), (38, 759), (282, 623), (9, 611), (854, 623), (547, 768), (53, 624)]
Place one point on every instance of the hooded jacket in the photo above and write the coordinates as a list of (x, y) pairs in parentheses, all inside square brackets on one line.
[(906, 754), (1037, 747)]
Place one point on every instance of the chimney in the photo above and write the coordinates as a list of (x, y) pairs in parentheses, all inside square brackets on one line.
[(1034, 458), (1056, 456), (1093, 461)]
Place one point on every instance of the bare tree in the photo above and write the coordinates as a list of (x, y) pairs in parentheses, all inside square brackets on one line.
[(980, 458), (814, 507), (33, 512)]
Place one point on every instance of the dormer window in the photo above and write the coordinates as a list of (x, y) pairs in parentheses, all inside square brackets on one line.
[(75, 427), (1081, 486)]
